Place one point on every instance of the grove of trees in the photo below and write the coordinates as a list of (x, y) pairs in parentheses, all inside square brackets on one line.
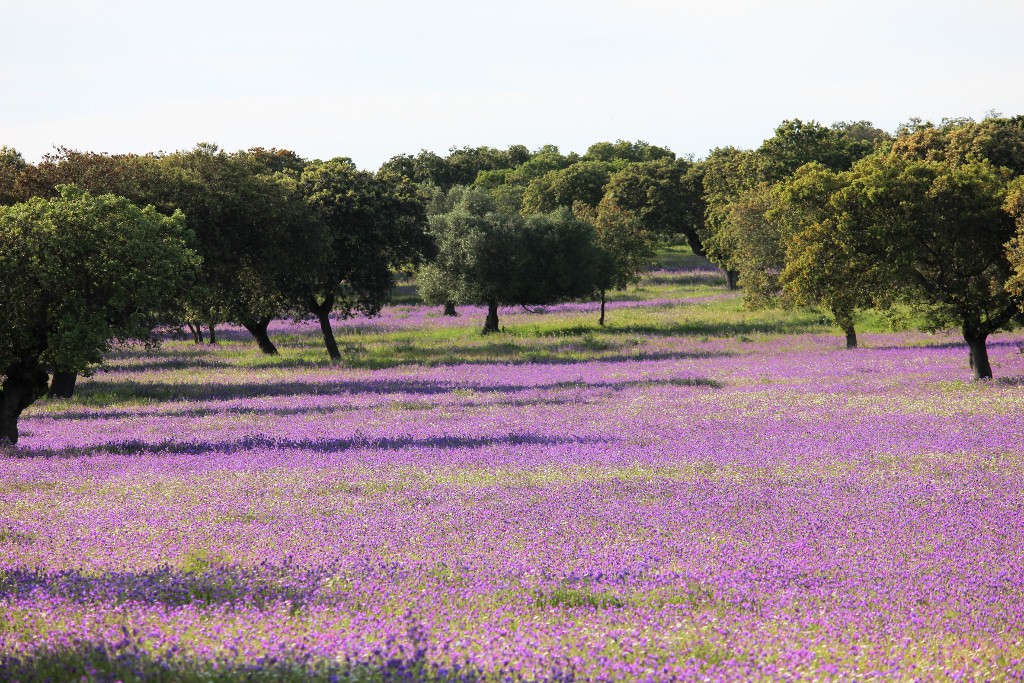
[(98, 248)]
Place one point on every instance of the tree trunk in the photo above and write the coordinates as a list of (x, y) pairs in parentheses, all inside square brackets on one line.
[(693, 239), (851, 336), (491, 324), (213, 332), (449, 309), (63, 384), (977, 342), (732, 278), (197, 332), (323, 314), (258, 329), (25, 381), (600, 321)]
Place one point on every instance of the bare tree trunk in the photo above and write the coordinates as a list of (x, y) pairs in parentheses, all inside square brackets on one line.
[(491, 324), (197, 332), (25, 382), (977, 343), (323, 314), (258, 329), (851, 337), (732, 278), (449, 309), (213, 332), (600, 321), (63, 384)]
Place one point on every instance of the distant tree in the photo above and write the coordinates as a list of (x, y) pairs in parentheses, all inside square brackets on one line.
[(12, 168), (492, 258), (125, 175), (626, 247), (664, 196), (508, 186), (583, 182), (757, 244), (796, 143), (460, 167), (371, 226), (626, 152), (78, 272)]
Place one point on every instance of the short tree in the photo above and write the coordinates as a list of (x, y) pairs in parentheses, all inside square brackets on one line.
[(626, 247), (78, 272), (492, 258)]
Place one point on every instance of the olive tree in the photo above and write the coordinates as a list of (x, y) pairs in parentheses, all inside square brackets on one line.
[(493, 258)]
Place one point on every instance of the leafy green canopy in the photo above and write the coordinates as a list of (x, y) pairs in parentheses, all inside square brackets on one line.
[(78, 272), (489, 257)]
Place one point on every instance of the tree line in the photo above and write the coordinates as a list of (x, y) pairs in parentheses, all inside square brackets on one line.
[(846, 216)]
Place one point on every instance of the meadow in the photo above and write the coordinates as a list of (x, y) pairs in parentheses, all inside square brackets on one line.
[(693, 492)]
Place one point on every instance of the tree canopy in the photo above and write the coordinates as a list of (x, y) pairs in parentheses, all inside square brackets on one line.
[(78, 272), (492, 258)]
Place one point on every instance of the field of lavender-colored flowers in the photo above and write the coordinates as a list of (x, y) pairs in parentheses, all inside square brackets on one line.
[(652, 502)]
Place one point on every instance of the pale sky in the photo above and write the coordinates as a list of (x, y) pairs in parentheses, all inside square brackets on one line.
[(370, 80)]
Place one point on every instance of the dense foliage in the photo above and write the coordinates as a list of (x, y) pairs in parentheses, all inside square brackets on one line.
[(78, 272), (847, 217)]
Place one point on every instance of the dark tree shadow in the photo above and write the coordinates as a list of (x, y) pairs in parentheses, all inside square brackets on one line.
[(126, 390), (330, 445)]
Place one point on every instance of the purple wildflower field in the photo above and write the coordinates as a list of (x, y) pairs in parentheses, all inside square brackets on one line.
[(718, 509)]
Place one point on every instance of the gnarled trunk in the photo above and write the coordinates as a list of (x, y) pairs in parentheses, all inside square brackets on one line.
[(600, 321), (322, 311), (491, 324), (258, 329), (63, 384), (449, 309), (197, 332), (977, 343), (25, 382), (851, 336)]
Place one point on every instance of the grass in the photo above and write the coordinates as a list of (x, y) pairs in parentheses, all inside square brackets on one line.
[(641, 332)]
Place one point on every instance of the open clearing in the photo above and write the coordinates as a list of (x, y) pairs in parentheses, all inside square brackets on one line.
[(695, 492)]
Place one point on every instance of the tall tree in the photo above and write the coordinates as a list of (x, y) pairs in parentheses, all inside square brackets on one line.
[(254, 230), (725, 174), (827, 262), (372, 227), (940, 227)]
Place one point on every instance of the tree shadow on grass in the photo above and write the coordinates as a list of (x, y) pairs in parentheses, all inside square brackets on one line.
[(325, 445), (207, 410), (703, 328), (114, 391), (130, 660), (992, 344)]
